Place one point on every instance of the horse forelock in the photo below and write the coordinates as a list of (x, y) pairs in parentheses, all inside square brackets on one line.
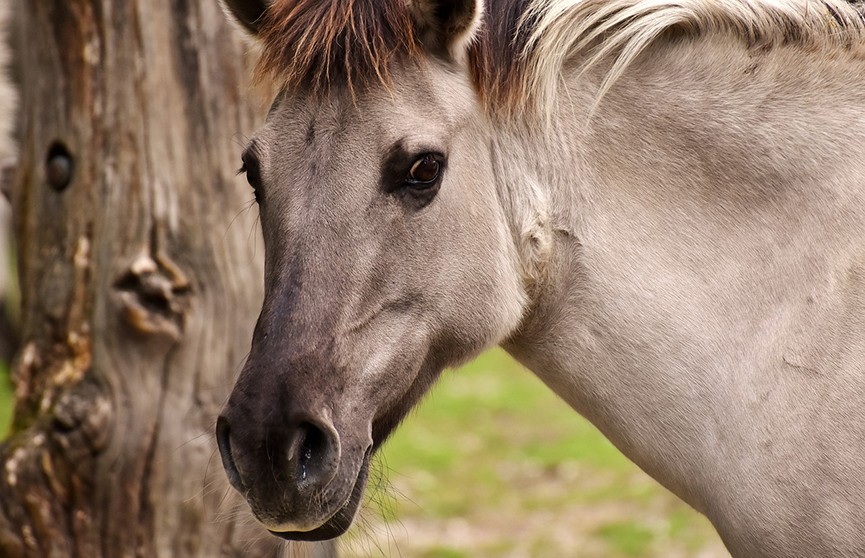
[(517, 57), (320, 44)]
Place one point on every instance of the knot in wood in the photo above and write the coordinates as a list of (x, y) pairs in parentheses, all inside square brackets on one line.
[(82, 420), (58, 167), (154, 296)]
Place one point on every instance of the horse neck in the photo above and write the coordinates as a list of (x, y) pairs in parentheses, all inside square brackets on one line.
[(667, 297)]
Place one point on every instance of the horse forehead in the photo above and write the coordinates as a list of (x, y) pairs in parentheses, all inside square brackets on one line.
[(330, 136), (304, 121), (418, 93), (306, 128)]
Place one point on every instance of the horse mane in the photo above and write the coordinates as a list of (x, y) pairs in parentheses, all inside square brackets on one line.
[(517, 57), (620, 30), (320, 43)]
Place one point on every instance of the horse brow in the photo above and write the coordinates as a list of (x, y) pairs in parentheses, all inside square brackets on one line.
[(252, 149)]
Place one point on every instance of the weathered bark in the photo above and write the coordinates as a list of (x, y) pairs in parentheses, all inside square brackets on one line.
[(140, 276)]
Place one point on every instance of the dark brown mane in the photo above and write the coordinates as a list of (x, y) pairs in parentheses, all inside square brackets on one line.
[(322, 43), (496, 58)]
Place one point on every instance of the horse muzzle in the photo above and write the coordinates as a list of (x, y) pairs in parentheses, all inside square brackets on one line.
[(297, 479)]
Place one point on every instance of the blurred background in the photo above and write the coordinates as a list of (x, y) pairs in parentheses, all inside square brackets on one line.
[(493, 464)]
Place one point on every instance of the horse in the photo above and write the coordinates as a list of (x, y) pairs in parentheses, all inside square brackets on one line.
[(657, 206)]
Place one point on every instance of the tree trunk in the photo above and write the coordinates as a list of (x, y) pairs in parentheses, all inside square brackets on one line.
[(141, 277)]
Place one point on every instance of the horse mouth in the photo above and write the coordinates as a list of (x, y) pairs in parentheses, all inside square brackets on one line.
[(340, 521)]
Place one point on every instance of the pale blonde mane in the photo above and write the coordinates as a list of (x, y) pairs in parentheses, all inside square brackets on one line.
[(620, 30)]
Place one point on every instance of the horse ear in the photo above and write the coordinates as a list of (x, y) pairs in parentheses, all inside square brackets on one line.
[(247, 14), (447, 26)]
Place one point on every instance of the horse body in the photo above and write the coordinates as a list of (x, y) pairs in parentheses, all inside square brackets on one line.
[(669, 233)]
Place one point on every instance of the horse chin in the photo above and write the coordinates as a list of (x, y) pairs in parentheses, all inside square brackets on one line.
[(340, 521)]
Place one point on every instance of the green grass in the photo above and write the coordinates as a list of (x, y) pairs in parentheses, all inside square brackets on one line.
[(444, 552), (5, 400), (493, 464), (627, 537)]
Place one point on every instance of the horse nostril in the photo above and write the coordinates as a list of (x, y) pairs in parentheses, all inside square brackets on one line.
[(312, 448), (317, 457), (223, 441), (313, 455)]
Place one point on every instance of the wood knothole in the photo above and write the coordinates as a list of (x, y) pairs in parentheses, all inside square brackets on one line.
[(59, 166), (154, 296), (82, 419)]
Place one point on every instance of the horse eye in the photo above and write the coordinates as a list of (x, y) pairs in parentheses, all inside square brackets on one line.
[(251, 172), (424, 171)]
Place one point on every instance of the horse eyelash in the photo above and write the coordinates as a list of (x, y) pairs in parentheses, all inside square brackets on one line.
[(241, 170)]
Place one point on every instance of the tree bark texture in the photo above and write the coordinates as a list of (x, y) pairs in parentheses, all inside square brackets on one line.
[(141, 278)]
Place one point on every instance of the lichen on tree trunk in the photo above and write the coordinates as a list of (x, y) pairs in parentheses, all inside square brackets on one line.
[(141, 279)]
